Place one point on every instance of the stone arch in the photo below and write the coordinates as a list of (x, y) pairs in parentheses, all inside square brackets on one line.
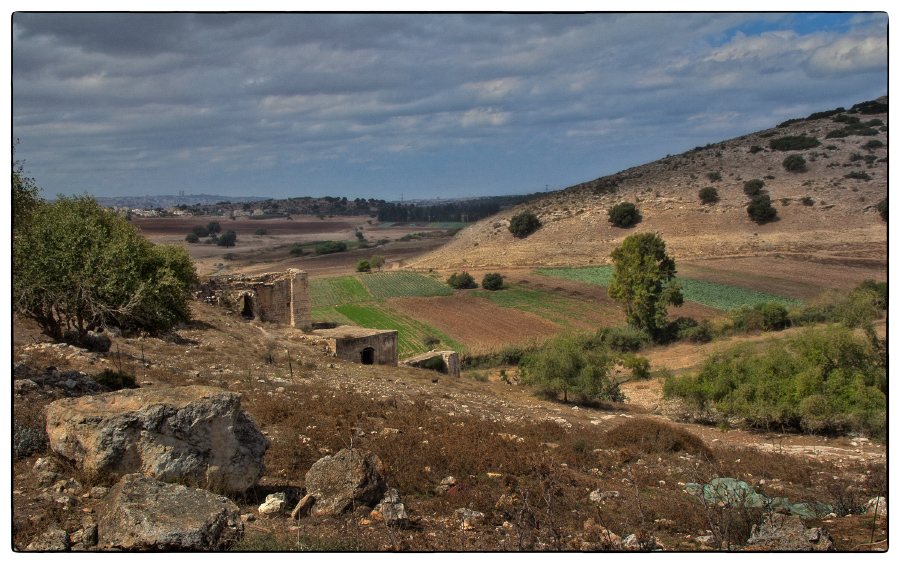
[(248, 307)]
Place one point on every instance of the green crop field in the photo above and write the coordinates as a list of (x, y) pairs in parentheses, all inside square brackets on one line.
[(410, 331), (335, 291), (549, 305), (447, 224), (402, 284), (712, 294)]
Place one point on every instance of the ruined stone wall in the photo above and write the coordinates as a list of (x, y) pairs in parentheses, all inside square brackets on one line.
[(278, 297), (361, 345), (451, 360)]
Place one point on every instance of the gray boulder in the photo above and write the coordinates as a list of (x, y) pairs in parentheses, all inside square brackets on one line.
[(350, 478), (141, 513), (194, 435)]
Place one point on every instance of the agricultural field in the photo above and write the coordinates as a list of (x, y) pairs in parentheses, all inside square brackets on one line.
[(567, 312), (720, 296), (384, 285), (325, 292), (411, 331)]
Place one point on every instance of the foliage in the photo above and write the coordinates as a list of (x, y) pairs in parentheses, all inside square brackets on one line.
[(883, 209), (714, 176), (461, 281), (261, 231), (761, 210), (794, 163), (753, 187), (377, 261), (435, 363), (624, 214), (824, 379), (363, 266), (81, 267), (431, 341), (564, 365), (709, 195), (331, 247), (858, 175), (25, 195), (115, 379), (793, 143), (214, 227), (807, 201), (624, 339), (296, 250), (870, 107), (228, 239), (200, 231), (639, 366), (523, 224), (192, 238), (492, 281), (644, 281), (873, 144)]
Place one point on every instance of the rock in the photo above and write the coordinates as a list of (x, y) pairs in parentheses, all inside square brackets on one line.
[(391, 509), (92, 341), (598, 496), (45, 471), (633, 542), (194, 435), (99, 492), (880, 503), (273, 505), (303, 506), (141, 513), (21, 371), (347, 479), (787, 533), (52, 540), (468, 518)]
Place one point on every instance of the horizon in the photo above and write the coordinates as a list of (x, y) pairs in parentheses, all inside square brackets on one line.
[(410, 106)]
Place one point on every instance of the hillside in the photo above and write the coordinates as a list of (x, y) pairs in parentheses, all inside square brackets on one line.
[(843, 224)]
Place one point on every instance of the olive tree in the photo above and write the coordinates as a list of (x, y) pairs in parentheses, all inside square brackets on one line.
[(644, 281), (81, 267), (566, 365)]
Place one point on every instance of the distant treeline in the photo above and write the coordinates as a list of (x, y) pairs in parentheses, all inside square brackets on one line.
[(465, 211)]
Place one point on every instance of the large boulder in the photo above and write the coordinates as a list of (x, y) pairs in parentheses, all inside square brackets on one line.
[(141, 513), (348, 479), (194, 435)]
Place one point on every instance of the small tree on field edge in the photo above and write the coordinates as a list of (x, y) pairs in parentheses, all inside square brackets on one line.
[(363, 266), (492, 281)]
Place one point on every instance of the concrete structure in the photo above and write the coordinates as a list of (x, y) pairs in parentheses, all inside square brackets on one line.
[(279, 297), (358, 344), (451, 361)]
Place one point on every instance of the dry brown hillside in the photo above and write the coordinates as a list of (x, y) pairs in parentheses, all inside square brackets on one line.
[(842, 225)]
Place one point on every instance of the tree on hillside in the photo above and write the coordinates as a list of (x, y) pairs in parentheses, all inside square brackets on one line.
[(567, 366), (523, 224), (624, 214), (377, 261), (644, 281), (80, 267), (761, 210)]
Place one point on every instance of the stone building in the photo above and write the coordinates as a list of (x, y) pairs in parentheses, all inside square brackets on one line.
[(451, 361), (279, 297), (358, 344)]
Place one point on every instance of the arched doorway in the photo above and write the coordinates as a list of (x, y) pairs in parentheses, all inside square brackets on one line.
[(367, 356), (247, 306)]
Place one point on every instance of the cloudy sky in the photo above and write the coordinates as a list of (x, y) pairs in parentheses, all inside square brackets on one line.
[(418, 105)]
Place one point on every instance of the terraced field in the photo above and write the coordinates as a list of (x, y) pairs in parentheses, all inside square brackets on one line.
[(411, 331), (384, 285), (712, 294)]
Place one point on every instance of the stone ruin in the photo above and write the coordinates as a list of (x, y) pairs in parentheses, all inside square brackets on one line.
[(279, 297), (358, 344), (451, 361)]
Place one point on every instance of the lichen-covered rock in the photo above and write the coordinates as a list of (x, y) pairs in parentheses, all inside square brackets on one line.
[(195, 435), (350, 478), (141, 513)]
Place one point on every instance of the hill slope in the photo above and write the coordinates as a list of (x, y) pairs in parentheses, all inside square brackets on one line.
[(842, 225)]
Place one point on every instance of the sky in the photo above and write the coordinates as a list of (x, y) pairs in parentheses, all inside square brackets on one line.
[(391, 106)]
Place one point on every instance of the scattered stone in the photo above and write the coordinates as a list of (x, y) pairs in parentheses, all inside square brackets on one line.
[(45, 471), (598, 496), (142, 513), (391, 509), (347, 479), (468, 518), (303, 507), (274, 504), (788, 533), (51, 540), (193, 434), (880, 503), (99, 492)]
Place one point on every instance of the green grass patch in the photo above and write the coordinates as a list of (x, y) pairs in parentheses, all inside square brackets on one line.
[(402, 284), (410, 331), (549, 305), (712, 294), (335, 291)]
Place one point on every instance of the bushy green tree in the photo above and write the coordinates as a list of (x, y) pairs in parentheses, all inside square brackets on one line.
[(228, 239), (200, 231), (883, 209), (377, 261), (753, 187), (761, 210), (624, 214), (461, 281), (214, 227), (644, 281), (794, 163), (523, 224), (80, 267), (191, 238), (25, 195), (565, 365), (709, 195), (363, 266), (492, 281)]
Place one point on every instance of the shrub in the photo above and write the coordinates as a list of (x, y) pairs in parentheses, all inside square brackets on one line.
[(753, 187), (192, 238), (461, 281), (709, 195), (761, 210), (523, 224), (858, 175), (213, 227), (807, 201), (774, 315), (331, 247), (625, 339), (565, 365), (435, 363), (296, 250), (200, 231), (639, 366), (794, 163), (261, 231), (115, 379), (492, 281), (714, 176), (755, 149), (883, 209), (873, 144), (228, 239), (431, 341), (363, 266), (624, 214), (793, 143), (649, 436)]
